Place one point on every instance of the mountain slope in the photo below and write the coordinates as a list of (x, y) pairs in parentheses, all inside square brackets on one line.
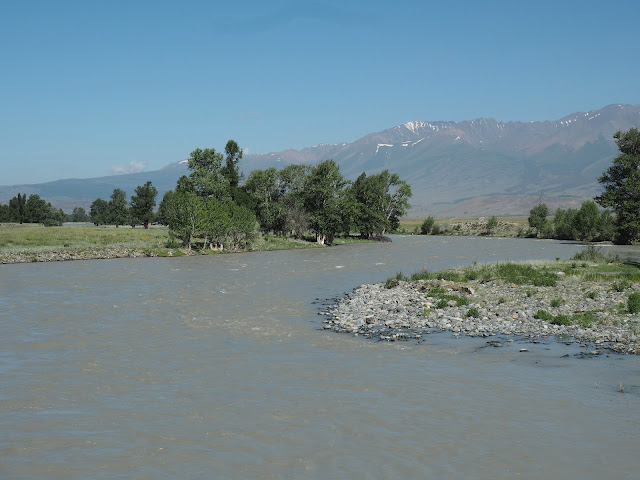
[(474, 167)]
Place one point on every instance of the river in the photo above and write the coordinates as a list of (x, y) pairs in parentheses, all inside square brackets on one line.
[(218, 367)]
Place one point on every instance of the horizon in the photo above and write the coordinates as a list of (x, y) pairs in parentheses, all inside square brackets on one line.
[(97, 90)]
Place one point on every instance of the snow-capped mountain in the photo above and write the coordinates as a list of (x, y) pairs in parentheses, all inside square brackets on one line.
[(474, 167)]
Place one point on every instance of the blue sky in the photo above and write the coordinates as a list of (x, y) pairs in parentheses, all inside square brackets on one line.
[(94, 88)]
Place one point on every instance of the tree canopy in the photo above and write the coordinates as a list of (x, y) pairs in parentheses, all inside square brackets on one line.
[(621, 183)]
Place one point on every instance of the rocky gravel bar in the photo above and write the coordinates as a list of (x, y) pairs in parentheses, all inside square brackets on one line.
[(415, 308)]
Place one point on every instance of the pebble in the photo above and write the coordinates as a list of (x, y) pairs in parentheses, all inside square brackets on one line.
[(405, 312)]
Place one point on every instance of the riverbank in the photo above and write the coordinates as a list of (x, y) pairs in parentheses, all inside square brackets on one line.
[(34, 243), (588, 300)]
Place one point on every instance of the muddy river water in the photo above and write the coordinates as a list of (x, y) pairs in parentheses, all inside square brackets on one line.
[(218, 367)]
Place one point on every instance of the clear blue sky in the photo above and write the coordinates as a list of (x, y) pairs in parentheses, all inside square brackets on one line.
[(94, 87)]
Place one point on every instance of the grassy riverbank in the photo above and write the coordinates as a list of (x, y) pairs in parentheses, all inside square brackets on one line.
[(589, 298), (35, 243), (506, 226)]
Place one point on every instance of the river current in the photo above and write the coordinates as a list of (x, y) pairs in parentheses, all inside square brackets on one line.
[(218, 367)]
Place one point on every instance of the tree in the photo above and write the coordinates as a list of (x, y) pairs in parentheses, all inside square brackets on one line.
[(162, 217), (230, 170), (17, 208), (142, 203), (99, 211), (621, 183), (492, 224), (5, 213), (36, 210), (322, 193), (268, 200), (181, 214), (427, 225), (538, 217), (207, 176), (380, 201), (118, 211), (396, 199), (79, 215)]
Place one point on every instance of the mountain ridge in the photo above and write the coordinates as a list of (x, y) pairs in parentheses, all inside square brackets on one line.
[(473, 167)]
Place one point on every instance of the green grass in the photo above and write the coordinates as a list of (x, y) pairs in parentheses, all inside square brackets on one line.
[(584, 319), (516, 273), (556, 302), (32, 240), (38, 238)]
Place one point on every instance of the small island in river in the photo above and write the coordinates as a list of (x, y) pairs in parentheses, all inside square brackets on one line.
[(590, 298)]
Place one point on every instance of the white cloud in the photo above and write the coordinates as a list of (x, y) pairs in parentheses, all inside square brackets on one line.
[(133, 167)]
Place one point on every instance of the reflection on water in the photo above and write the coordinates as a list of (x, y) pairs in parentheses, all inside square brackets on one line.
[(217, 367)]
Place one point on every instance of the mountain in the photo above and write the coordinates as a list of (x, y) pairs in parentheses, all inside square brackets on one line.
[(469, 168)]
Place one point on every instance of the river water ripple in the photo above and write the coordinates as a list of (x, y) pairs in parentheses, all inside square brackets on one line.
[(218, 367)]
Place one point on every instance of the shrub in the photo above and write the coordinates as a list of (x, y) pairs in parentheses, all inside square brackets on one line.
[(427, 225), (560, 320), (442, 303), (621, 286), (556, 302), (633, 303), (395, 281), (473, 312), (522, 274), (591, 254), (584, 319), (591, 295), (543, 315)]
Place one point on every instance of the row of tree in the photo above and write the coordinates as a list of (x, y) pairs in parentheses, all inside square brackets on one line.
[(210, 203), (34, 209), (118, 212), (587, 223), (621, 182)]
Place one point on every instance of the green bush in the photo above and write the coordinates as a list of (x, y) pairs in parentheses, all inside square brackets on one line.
[(395, 281), (591, 295), (621, 286), (473, 312), (543, 315), (442, 303), (633, 303), (560, 320), (591, 254), (584, 319), (556, 302), (427, 225)]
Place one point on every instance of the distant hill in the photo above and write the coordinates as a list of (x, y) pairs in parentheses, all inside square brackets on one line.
[(470, 168)]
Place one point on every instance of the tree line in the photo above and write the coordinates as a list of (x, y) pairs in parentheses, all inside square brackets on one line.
[(210, 204), (117, 211), (34, 209), (621, 182)]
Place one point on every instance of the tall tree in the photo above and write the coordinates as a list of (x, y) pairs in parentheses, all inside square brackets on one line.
[(99, 212), (17, 208), (231, 170), (142, 203), (118, 212), (269, 207), (206, 174), (181, 214), (79, 215), (322, 195), (621, 183), (36, 210), (538, 217)]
